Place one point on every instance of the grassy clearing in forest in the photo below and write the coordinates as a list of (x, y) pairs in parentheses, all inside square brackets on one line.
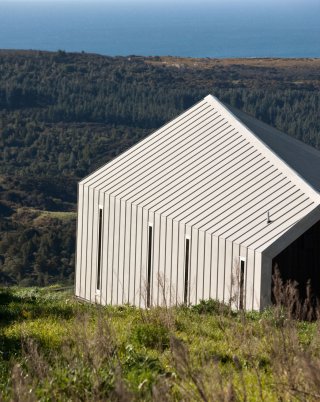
[(55, 348)]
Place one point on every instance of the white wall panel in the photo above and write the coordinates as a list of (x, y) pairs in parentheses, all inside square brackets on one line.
[(124, 258), (257, 281), (132, 254), (144, 258), (194, 266), (243, 254), (221, 268), (121, 270), (235, 275), (104, 250), (163, 291), (89, 244), (79, 242), (94, 248), (214, 266), (138, 263), (207, 267), (181, 265), (115, 253), (200, 275), (110, 251), (250, 280), (127, 253), (156, 256), (153, 286), (169, 258), (174, 262), (84, 248), (80, 217), (228, 272), (100, 208)]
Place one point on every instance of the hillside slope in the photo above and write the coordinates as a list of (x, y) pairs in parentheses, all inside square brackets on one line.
[(56, 348), (64, 114)]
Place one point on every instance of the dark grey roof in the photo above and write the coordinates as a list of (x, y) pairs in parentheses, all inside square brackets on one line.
[(301, 157)]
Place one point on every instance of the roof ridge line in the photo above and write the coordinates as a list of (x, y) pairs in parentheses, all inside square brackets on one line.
[(263, 147)]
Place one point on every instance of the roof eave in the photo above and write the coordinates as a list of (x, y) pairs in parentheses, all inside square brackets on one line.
[(293, 233), (266, 150)]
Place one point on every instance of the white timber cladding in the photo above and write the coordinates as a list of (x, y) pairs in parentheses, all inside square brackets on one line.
[(205, 176)]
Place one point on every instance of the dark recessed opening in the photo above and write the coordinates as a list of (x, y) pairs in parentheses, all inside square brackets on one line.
[(300, 263), (149, 266), (99, 249), (241, 283), (186, 272)]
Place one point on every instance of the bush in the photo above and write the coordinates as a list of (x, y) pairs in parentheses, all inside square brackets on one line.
[(151, 335), (211, 306)]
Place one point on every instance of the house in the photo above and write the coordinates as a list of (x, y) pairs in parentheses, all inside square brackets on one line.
[(203, 208)]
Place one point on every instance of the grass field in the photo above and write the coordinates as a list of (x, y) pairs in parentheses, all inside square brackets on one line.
[(55, 348)]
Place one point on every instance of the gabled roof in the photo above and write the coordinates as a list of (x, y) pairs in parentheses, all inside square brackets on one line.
[(219, 170), (304, 159)]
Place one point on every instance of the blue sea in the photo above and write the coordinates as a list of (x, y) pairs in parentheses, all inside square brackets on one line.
[(230, 28)]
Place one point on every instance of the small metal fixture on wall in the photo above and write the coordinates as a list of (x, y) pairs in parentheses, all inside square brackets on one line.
[(268, 217)]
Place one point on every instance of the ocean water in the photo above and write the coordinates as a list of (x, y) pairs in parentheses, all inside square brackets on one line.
[(247, 28)]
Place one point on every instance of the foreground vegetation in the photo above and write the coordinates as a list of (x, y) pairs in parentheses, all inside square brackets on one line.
[(64, 114), (55, 348)]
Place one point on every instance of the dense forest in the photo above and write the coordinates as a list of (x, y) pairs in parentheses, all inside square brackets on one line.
[(64, 114)]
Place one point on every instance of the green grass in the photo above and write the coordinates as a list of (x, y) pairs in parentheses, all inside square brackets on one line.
[(53, 347), (57, 215), (38, 215)]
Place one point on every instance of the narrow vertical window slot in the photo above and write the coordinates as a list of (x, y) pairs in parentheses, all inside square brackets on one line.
[(186, 272), (241, 283), (99, 249), (149, 266)]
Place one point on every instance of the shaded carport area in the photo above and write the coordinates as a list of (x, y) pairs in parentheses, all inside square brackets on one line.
[(300, 263)]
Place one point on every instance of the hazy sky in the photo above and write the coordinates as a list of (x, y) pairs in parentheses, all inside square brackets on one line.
[(225, 2), (257, 4)]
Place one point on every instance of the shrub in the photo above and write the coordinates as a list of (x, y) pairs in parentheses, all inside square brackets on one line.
[(151, 335), (211, 306)]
